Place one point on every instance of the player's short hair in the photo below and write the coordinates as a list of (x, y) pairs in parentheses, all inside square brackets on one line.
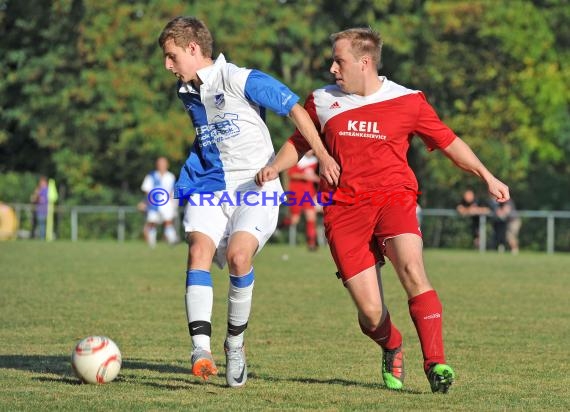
[(184, 30), (363, 40)]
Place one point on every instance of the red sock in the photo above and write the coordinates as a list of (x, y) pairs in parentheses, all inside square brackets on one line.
[(386, 335), (311, 229), (286, 221), (426, 312)]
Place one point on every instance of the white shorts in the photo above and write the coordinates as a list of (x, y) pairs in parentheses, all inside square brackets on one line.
[(221, 219), (162, 214)]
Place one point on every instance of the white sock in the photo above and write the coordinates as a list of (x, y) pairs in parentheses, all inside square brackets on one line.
[(170, 234), (239, 307), (199, 302), (151, 236)]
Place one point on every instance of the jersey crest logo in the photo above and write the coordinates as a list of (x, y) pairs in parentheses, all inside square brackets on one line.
[(335, 105), (219, 101)]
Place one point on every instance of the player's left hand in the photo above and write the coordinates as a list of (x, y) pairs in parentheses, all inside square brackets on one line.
[(498, 190), (266, 174)]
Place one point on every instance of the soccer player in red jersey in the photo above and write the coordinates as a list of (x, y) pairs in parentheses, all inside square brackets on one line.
[(366, 122), (302, 186)]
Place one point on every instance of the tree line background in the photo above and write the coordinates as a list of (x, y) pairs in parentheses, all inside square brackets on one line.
[(85, 98)]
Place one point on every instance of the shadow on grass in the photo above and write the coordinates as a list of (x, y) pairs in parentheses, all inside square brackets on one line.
[(335, 381), (49, 364), (64, 380), (156, 367), (61, 365)]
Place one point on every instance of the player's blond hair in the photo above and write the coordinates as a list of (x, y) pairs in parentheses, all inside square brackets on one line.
[(363, 41), (184, 30)]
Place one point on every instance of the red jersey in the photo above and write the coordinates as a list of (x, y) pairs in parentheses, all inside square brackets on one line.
[(305, 166), (369, 136)]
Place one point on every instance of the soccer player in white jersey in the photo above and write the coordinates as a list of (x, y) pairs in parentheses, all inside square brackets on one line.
[(227, 104), (366, 122), (160, 183)]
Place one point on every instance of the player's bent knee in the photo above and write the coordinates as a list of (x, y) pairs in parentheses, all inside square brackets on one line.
[(239, 261), (413, 272), (199, 252), (416, 283), (370, 317)]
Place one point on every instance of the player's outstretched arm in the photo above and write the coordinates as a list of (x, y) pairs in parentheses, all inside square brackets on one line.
[(462, 155), (286, 158), (328, 167)]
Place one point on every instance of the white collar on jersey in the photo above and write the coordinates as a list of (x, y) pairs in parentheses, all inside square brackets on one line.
[(205, 74)]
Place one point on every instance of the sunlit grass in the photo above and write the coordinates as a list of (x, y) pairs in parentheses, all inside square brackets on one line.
[(506, 322)]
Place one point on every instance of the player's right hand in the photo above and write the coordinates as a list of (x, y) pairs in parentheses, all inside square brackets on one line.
[(265, 175), (498, 190), (329, 169)]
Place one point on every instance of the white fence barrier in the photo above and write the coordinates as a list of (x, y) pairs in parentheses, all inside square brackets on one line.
[(121, 212), (548, 215)]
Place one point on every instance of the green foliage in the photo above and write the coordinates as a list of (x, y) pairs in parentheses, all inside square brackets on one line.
[(17, 187), (286, 41), (493, 72), (84, 96)]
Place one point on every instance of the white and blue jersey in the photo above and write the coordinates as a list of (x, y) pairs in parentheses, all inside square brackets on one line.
[(232, 140), (155, 180)]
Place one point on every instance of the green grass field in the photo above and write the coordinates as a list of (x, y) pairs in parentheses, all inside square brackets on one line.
[(506, 321)]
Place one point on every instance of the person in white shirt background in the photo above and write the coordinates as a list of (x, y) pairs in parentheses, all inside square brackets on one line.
[(161, 207)]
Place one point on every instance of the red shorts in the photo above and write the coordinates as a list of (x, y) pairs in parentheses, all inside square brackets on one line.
[(303, 198), (357, 233)]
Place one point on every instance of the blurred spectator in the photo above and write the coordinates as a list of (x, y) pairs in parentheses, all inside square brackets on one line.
[(303, 178), (39, 199), (469, 206), (506, 225), (52, 199), (514, 224), (160, 207)]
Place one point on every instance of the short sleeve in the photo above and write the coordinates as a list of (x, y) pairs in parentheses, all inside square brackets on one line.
[(147, 184), (434, 133), (265, 91)]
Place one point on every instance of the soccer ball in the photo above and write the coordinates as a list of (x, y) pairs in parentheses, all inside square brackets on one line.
[(96, 359)]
